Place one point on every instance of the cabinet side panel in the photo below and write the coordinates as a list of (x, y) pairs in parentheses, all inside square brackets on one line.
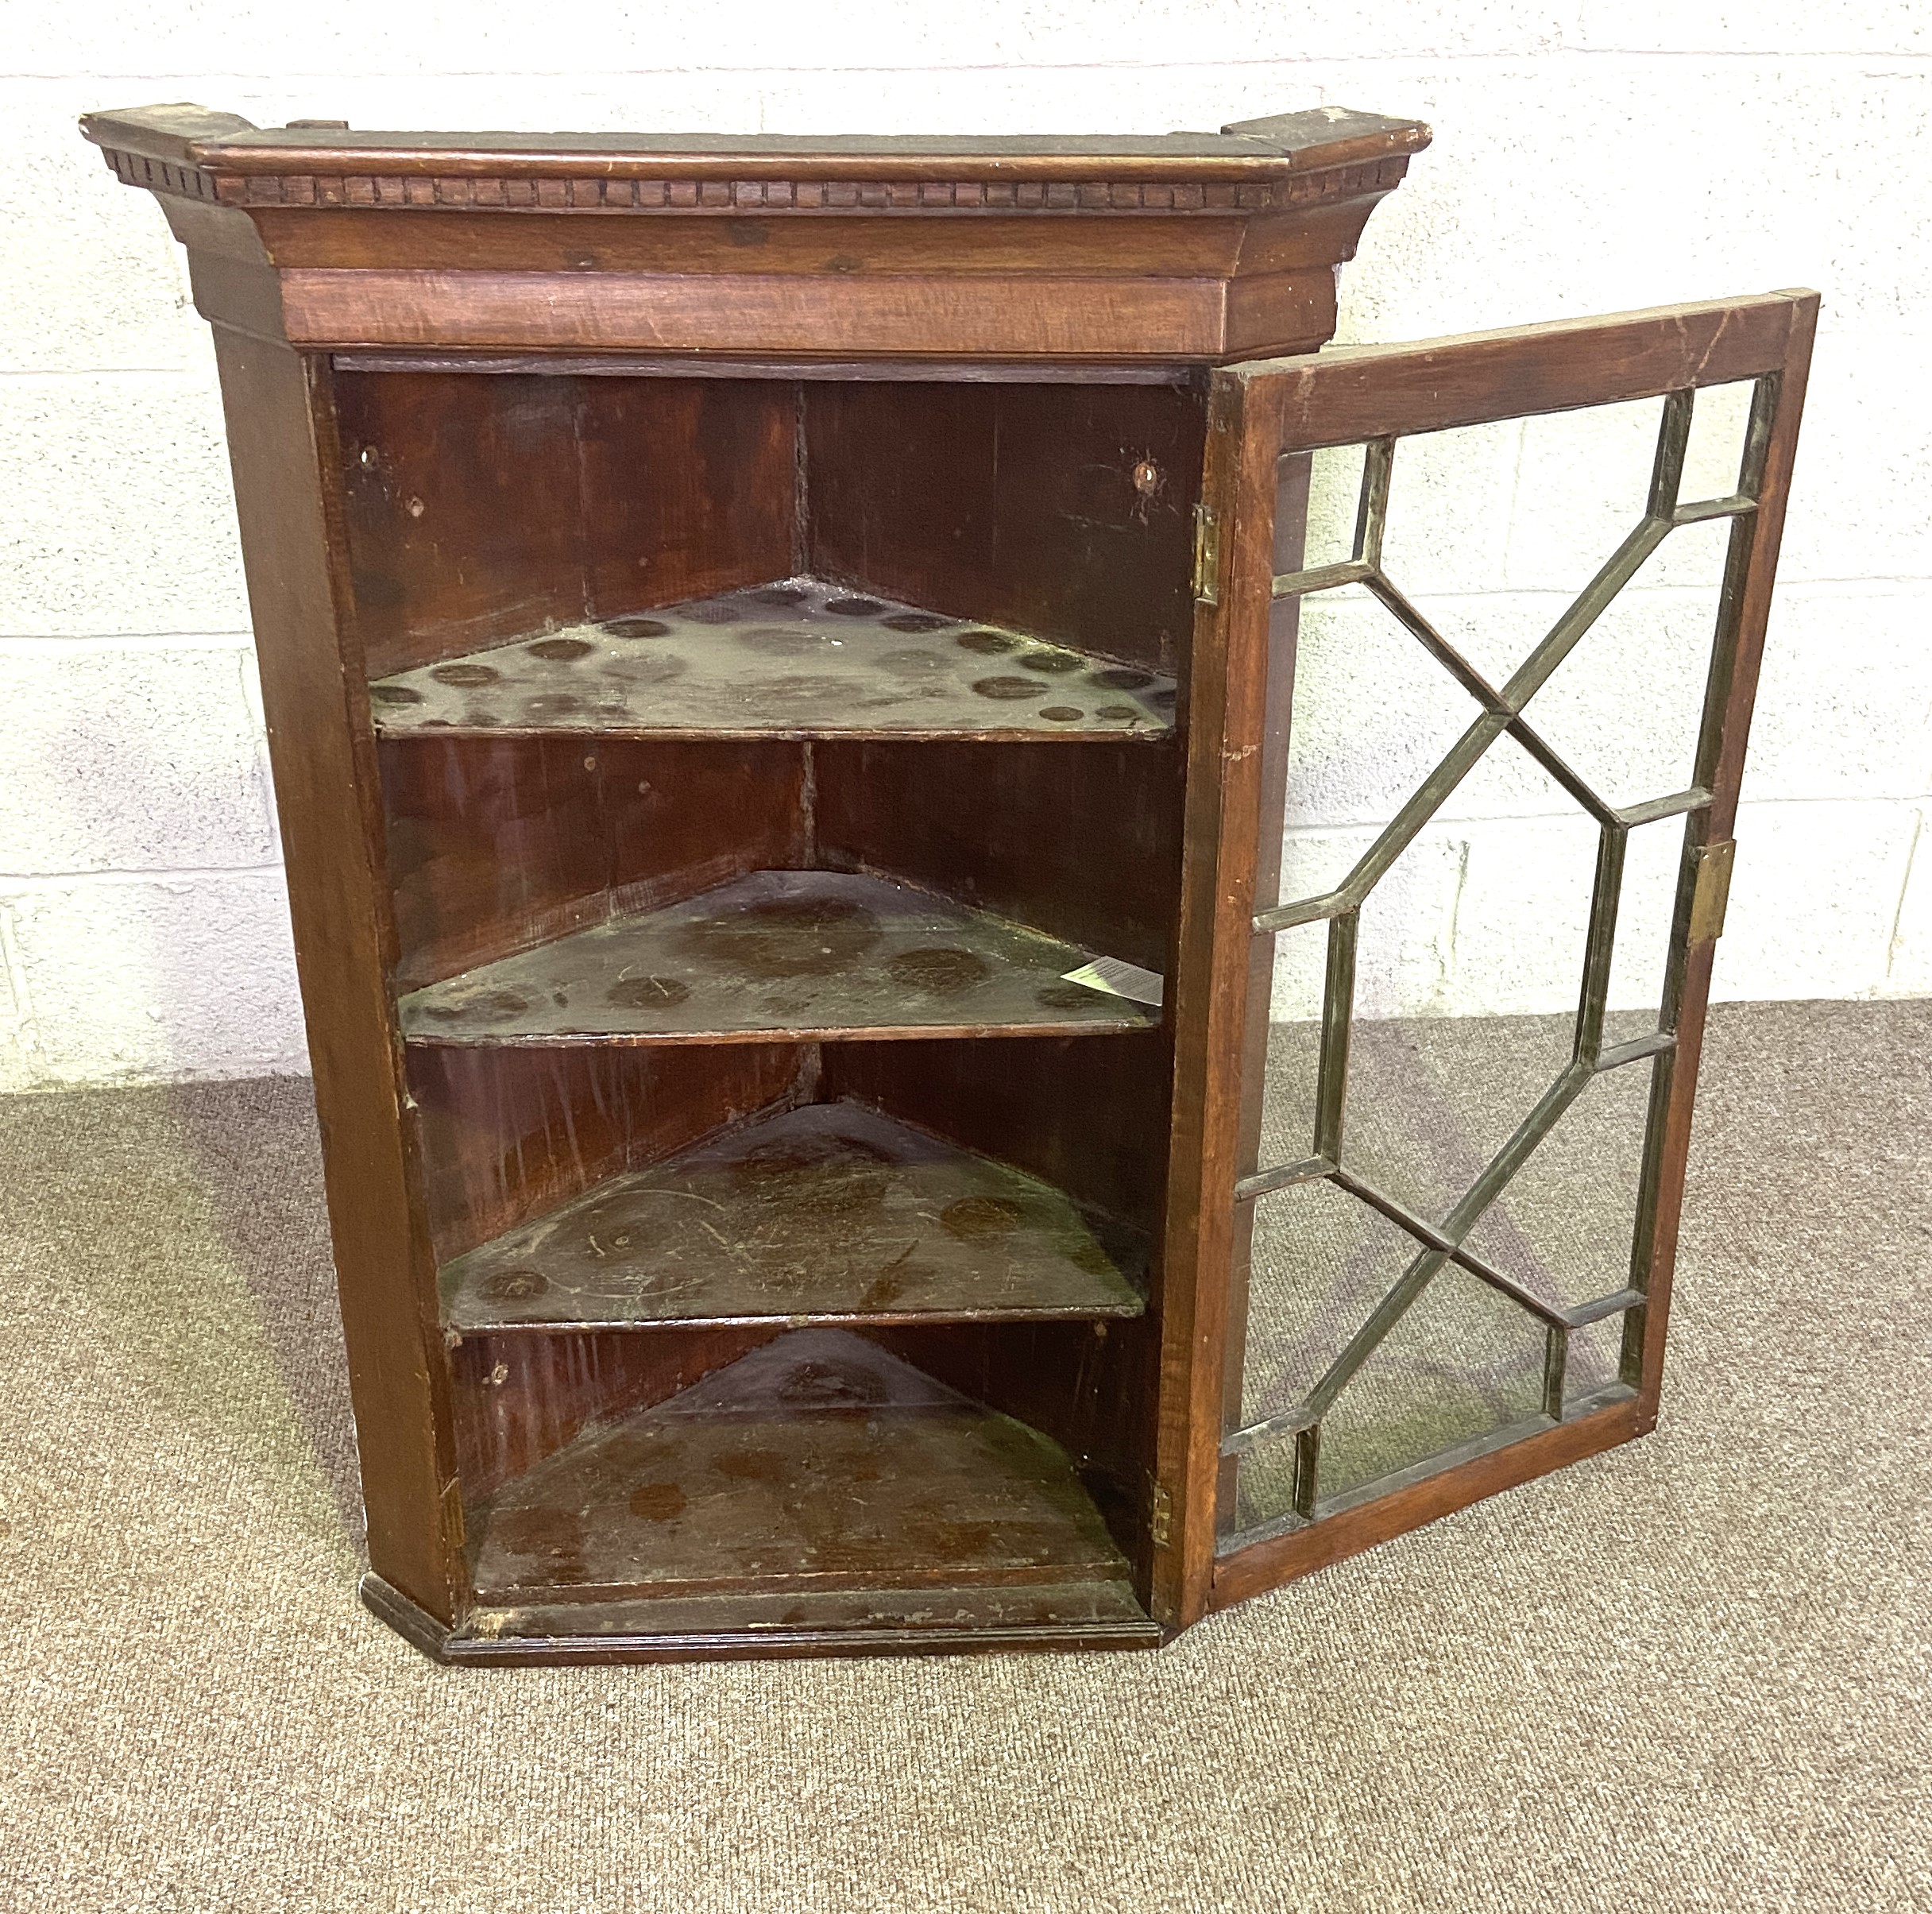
[(1067, 510), (496, 844), (1082, 840), (281, 441), (509, 1132), (691, 486), (520, 1398), (460, 494)]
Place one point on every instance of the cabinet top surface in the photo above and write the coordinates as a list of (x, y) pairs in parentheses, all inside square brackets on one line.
[(223, 147)]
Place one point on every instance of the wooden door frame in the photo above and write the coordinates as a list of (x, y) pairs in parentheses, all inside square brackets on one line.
[(1259, 413)]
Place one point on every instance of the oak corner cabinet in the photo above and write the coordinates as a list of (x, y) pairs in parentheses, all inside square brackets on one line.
[(778, 656)]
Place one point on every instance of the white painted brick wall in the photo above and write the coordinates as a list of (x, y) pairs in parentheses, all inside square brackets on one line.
[(1588, 157)]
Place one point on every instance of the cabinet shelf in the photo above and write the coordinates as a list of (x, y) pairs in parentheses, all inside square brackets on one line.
[(818, 1466), (829, 1212), (798, 658), (778, 954)]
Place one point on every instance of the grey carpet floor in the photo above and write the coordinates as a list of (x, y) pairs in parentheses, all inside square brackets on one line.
[(1690, 1674)]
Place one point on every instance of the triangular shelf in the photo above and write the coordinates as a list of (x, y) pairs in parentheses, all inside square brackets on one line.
[(828, 1213), (818, 1463), (799, 658), (778, 954)]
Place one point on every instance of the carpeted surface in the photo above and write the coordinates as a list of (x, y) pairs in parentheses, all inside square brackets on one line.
[(1690, 1674)]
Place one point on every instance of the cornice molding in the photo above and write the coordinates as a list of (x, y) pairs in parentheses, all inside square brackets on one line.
[(510, 192)]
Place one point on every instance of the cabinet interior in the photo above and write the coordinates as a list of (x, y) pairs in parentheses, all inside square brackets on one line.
[(797, 1216)]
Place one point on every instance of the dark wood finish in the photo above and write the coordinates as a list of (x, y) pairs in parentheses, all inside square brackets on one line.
[(683, 366), (651, 490), (1085, 1114), (923, 247), (1201, 319), (498, 846), (1264, 1565), (1082, 844), (281, 437), (1066, 511), (752, 1627), (519, 1399), (1269, 410), (797, 658), (508, 1133), (228, 146), (1208, 1011), (1469, 378), (777, 954), (817, 1465), (785, 941), (829, 1212)]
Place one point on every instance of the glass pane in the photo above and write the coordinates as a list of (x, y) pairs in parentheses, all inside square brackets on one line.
[(1321, 1261), (1652, 857), (1470, 962), (1582, 484), (1563, 1227), (1292, 964), (1470, 856), (1595, 1356), (1335, 499), (1464, 1362), (1624, 710), (1719, 421), (1373, 715)]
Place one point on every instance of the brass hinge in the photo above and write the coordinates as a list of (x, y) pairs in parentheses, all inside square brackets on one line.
[(1207, 556), (1161, 1523), (1714, 889)]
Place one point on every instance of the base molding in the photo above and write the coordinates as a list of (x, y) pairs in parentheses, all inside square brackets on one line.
[(610, 1632)]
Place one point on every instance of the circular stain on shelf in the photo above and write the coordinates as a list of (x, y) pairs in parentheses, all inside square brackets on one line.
[(465, 674), (779, 595), (786, 937), (552, 704), (1008, 688), (916, 621), (560, 651), (1052, 662), (981, 1216), (648, 993), (657, 1501), (481, 721), (1117, 711), (1062, 714), (515, 1285), (637, 628), (394, 695), (940, 968), (991, 643), (854, 607), (708, 612), (1120, 677)]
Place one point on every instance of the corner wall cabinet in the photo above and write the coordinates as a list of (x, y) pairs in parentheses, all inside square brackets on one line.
[(778, 656)]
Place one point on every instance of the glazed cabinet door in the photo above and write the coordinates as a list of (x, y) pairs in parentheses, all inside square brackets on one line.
[(1478, 626)]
